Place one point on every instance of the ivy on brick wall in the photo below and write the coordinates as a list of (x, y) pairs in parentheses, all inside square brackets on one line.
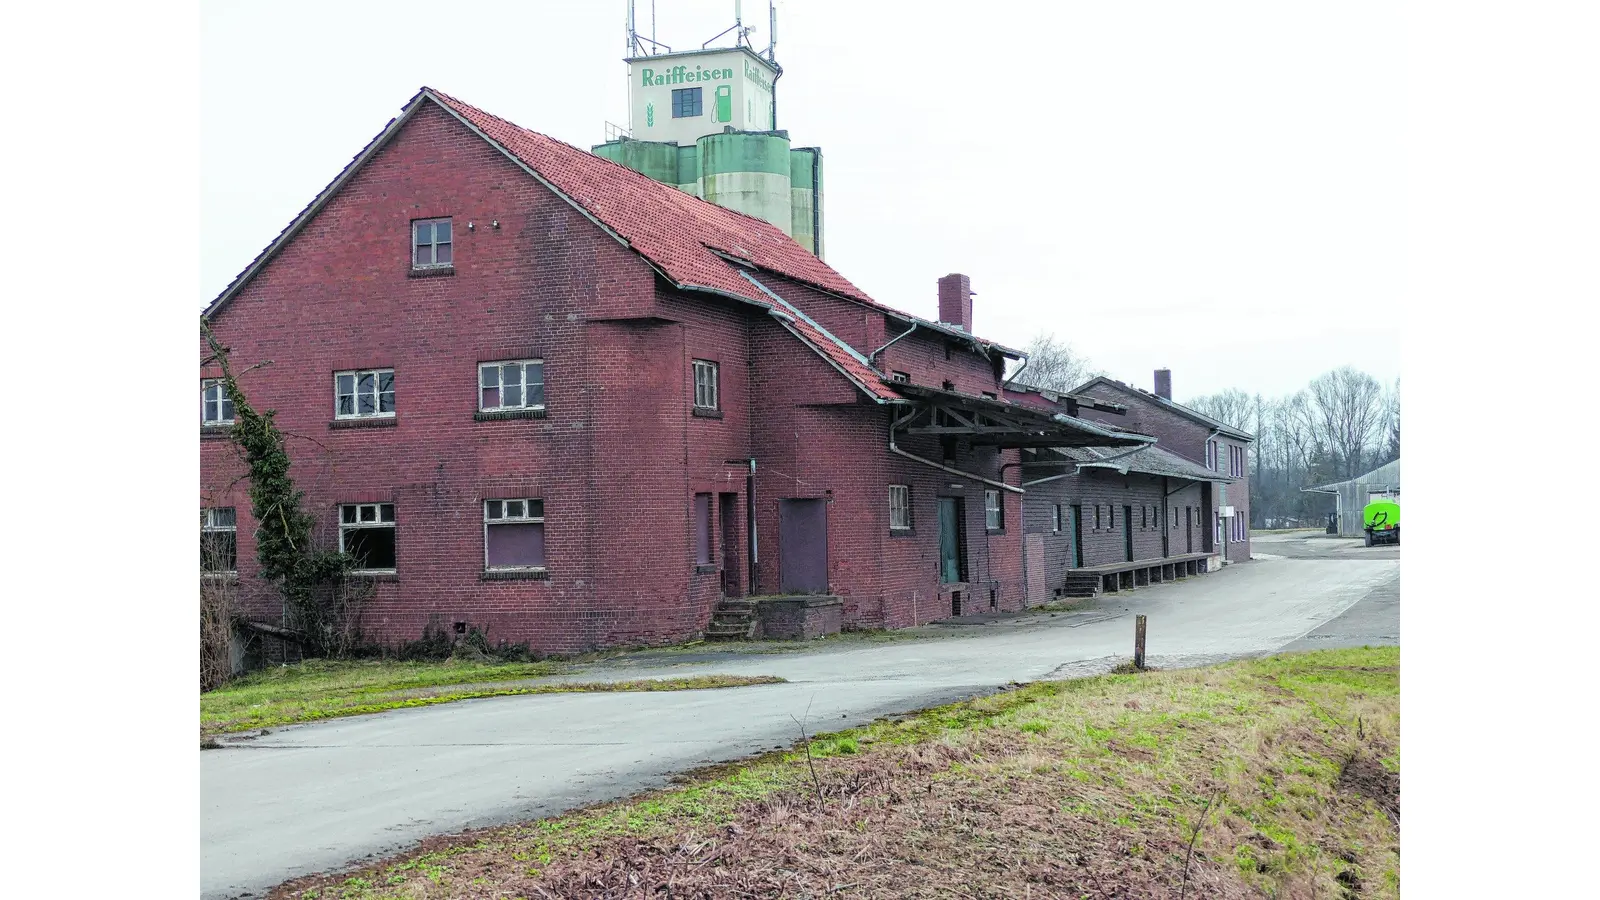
[(309, 578)]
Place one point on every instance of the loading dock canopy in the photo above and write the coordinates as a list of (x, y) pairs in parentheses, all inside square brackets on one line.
[(1144, 461), (996, 423)]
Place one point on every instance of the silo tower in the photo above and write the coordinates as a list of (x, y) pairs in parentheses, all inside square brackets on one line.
[(705, 121)]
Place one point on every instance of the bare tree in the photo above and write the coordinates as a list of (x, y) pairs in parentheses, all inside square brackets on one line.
[(1054, 365), (1391, 422), (1232, 406), (1349, 409)]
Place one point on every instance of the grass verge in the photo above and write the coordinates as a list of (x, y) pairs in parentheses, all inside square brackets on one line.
[(321, 689), (1273, 777)]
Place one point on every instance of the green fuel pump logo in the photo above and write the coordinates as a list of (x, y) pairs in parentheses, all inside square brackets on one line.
[(649, 115), (724, 111)]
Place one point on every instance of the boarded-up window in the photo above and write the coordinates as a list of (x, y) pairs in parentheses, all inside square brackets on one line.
[(702, 529), (366, 531), (513, 534)]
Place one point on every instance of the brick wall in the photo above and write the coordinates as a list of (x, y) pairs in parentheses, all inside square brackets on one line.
[(619, 455), (1153, 517), (1187, 438)]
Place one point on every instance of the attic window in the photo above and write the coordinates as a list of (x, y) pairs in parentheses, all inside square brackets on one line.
[(900, 377), (430, 244)]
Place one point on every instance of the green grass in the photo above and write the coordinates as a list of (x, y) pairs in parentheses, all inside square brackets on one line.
[(1120, 765), (324, 689)]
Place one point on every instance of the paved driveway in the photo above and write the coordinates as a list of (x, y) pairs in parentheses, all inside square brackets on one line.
[(316, 797)]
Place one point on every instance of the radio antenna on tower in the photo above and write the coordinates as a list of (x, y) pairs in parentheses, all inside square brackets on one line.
[(637, 41)]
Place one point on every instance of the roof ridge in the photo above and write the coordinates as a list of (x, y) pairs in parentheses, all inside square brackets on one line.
[(708, 205)]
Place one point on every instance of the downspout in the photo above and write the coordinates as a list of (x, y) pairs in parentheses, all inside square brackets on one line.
[(1007, 383), (944, 468), (750, 520), (872, 358)]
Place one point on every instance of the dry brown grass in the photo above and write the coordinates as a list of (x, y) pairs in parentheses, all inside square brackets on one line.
[(1087, 789)]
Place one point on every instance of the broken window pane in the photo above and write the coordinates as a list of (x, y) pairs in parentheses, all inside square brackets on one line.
[(373, 548), (369, 513), (347, 514)]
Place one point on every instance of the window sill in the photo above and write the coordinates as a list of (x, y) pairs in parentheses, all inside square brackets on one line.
[(515, 575), (430, 271), (375, 575), (216, 432), (705, 569), (223, 577), (370, 422), (703, 413), (499, 415), (994, 531), (902, 532)]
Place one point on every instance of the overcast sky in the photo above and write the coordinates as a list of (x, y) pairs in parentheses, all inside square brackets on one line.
[(1212, 187)]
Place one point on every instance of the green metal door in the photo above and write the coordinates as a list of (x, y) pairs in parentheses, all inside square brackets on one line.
[(949, 540), (724, 103)]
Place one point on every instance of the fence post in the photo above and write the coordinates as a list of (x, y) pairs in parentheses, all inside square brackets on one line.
[(1138, 643)]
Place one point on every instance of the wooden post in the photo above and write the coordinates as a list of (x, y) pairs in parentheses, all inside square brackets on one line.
[(1138, 643)]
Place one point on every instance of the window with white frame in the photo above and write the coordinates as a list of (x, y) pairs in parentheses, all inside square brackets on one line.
[(366, 393), (216, 407), (899, 507), (993, 516), (900, 377), (430, 244), (366, 532), (219, 540), (705, 384), (513, 534), (1055, 518), (516, 384), (1211, 455)]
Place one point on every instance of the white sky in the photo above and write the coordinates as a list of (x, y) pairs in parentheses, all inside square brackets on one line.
[(1217, 188)]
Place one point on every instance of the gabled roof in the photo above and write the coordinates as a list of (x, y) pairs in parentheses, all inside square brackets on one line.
[(1179, 408), (694, 244)]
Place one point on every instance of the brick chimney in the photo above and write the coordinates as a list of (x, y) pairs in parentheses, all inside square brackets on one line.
[(1164, 384), (955, 301)]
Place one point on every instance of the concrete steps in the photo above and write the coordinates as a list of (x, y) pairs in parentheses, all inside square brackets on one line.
[(732, 620)]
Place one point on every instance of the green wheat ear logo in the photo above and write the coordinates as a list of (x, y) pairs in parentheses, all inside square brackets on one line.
[(649, 115)]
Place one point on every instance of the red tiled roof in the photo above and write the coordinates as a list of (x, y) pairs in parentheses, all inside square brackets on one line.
[(676, 231), (681, 233)]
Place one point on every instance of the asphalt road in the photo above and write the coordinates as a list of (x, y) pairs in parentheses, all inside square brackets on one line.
[(318, 797)]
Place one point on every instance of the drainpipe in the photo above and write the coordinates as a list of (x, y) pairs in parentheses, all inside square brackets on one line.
[(872, 357), (751, 556), (1014, 375), (944, 468)]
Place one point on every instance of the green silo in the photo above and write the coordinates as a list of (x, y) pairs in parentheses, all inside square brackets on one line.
[(748, 171)]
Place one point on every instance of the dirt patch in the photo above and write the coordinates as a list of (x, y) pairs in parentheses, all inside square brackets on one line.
[(1364, 776)]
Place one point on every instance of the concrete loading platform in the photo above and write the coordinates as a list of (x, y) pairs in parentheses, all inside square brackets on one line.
[(1092, 581)]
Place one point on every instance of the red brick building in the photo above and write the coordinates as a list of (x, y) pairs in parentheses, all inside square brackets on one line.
[(1187, 433), (538, 392)]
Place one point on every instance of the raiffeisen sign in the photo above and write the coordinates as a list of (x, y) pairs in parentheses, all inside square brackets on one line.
[(684, 96), (683, 75)]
